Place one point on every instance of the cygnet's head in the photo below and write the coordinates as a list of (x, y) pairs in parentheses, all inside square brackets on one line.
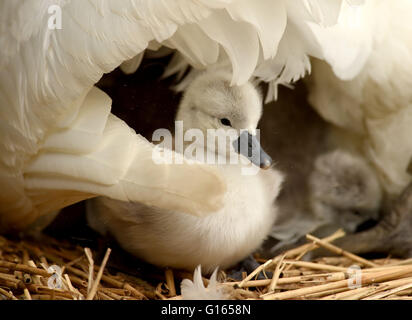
[(346, 188), (210, 102)]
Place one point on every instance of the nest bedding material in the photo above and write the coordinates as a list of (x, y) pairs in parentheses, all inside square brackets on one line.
[(58, 270)]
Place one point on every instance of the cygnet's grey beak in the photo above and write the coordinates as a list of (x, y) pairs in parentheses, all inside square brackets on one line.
[(248, 146)]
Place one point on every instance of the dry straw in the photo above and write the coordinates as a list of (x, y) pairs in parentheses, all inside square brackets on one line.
[(24, 275)]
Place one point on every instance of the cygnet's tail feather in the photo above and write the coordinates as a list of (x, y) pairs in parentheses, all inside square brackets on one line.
[(107, 158)]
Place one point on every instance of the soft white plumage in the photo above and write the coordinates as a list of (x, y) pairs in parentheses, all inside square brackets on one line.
[(60, 144), (225, 237), (375, 107)]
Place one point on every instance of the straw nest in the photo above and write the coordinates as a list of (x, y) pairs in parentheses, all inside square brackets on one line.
[(28, 271)]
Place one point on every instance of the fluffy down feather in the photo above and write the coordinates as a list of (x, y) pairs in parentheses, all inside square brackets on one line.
[(196, 290)]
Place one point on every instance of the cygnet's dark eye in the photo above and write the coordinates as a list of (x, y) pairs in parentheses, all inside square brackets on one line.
[(225, 122)]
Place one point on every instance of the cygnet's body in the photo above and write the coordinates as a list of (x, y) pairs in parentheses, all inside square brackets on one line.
[(225, 237)]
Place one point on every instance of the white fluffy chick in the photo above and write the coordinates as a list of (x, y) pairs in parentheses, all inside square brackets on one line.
[(225, 237)]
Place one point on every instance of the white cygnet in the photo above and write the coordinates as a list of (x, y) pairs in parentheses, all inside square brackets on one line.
[(227, 236)]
